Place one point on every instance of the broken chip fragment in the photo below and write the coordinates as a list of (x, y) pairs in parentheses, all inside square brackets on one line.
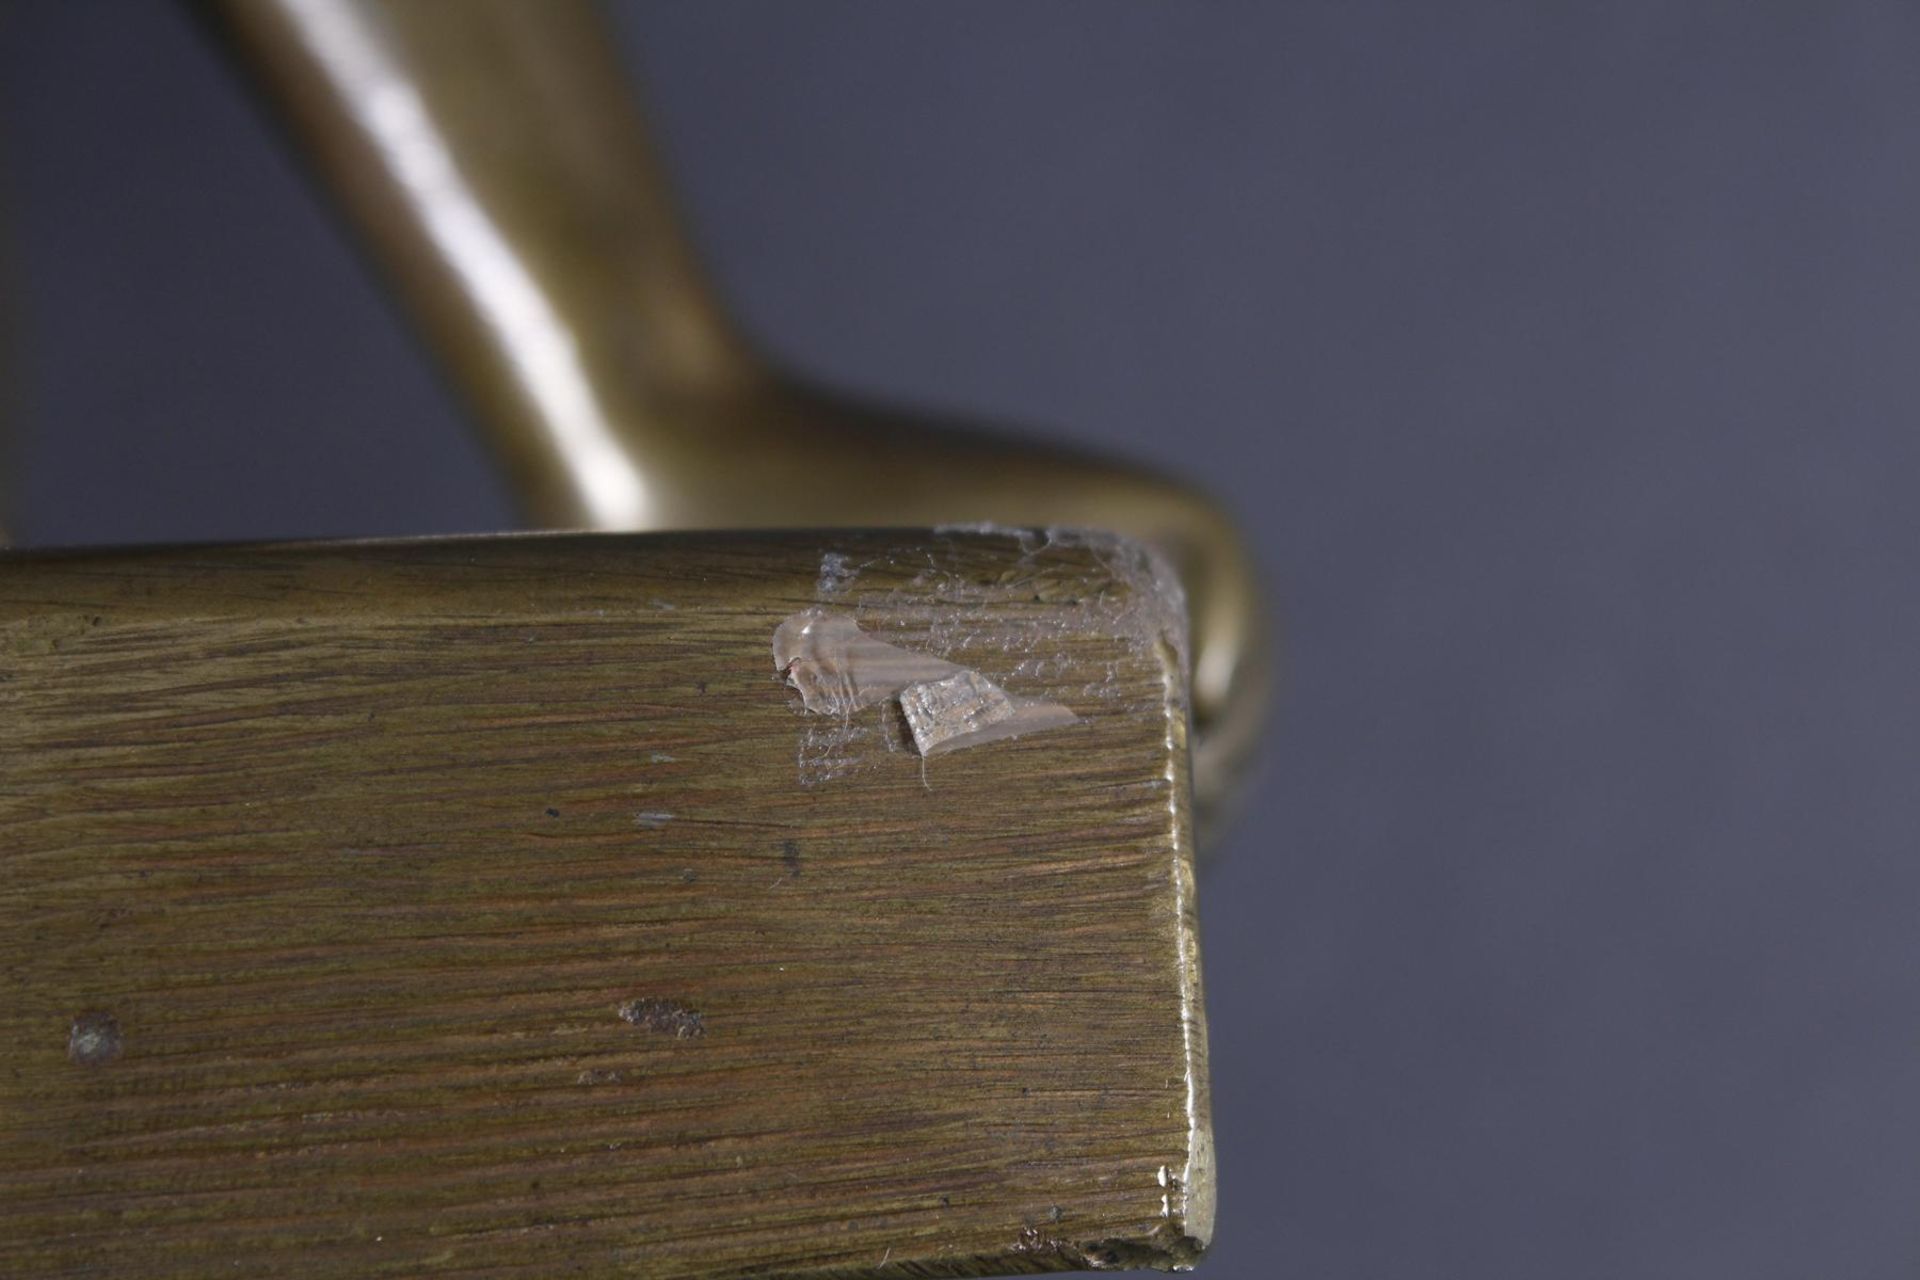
[(838, 669), (967, 709)]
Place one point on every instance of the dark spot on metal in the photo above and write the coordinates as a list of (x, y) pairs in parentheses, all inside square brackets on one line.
[(790, 855), (668, 1017), (701, 685), (599, 1075), (688, 875), (94, 1039), (553, 813)]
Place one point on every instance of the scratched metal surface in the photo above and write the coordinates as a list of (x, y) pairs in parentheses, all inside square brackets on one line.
[(1559, 360), (492, 906)]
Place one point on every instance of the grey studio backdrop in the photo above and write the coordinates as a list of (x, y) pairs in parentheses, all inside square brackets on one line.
[(1562, 361)]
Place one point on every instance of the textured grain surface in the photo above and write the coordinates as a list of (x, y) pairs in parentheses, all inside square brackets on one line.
[(490, 907)]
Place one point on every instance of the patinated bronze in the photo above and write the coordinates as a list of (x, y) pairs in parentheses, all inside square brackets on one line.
[(490, 153), (496, 907), (700, 905)]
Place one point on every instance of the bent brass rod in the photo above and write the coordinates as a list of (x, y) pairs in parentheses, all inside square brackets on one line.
[(491, 156)]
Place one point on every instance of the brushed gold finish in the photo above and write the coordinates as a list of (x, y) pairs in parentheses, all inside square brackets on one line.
[(491, 154), (456, 907)]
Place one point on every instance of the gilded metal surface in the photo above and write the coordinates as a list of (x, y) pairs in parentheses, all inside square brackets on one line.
[(450, 907), (492, 156)]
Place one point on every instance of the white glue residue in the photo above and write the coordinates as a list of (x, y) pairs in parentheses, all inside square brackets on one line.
[(839, 669), (967, 709)]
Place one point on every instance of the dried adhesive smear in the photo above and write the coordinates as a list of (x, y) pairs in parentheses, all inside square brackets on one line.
[(967, 709), (839, 669)]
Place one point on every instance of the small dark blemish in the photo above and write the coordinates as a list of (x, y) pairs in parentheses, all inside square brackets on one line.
[(790, 855), (553, 813), (599, 1075), (688, 875), (946, 1202), (94, 1039), (701, 685), (668, 1017)]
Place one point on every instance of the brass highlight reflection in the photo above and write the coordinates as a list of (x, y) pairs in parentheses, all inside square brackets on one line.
[(490, 153)]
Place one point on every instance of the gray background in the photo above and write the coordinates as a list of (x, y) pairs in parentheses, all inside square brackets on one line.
[(1562, 363)]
